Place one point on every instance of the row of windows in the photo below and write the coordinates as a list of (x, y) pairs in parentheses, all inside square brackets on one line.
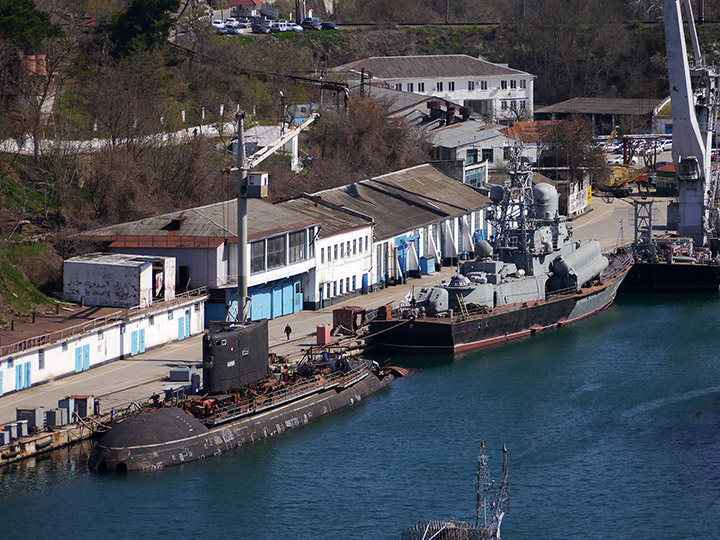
[(483, 85), (339, 287), (513, 104), (343, 249), (279, 251)]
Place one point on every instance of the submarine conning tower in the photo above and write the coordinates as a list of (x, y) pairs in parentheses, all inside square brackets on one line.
[(234, 354)]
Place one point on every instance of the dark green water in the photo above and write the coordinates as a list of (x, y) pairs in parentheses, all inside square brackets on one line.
[(609, 425)]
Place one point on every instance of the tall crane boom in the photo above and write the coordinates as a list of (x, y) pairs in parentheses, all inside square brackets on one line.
[(693, 95)]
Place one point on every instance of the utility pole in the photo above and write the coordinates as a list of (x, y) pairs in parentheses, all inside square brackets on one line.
[(242, 194)]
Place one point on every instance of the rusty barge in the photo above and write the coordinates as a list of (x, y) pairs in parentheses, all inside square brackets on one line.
[(244, 402)]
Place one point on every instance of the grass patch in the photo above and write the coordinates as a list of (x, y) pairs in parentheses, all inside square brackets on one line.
[(17, 294)]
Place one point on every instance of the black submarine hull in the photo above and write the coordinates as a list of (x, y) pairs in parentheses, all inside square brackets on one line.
[(153, 440), (672, 277)]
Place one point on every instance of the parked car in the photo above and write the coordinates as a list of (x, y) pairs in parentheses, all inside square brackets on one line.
[(311, 23), (294, 27), (260, 28), (244, 22), (218, 24), (233, 30), (278, 26), (231, 22), (327, 25)]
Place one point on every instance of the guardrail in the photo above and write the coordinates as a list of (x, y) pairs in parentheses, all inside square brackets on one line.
[(80, 329), (287, 395)]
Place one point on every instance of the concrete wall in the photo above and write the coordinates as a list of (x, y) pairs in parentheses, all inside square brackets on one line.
[(202, 262), (104, 344), (107, 285)]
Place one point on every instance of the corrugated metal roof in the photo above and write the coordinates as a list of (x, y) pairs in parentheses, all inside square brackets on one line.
[(407, 199), (601, 106), (217, 220), (464, 133), (441, 65), (333, 220)]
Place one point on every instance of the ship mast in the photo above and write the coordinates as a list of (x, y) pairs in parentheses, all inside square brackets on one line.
[(491, 508)]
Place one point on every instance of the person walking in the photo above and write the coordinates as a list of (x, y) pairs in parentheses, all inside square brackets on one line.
[(288, 330)]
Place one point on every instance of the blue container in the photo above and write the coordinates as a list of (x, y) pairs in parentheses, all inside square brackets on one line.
[(427, 265)]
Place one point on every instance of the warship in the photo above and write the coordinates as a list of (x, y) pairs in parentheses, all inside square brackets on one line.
[(529, 278), (244, 400)]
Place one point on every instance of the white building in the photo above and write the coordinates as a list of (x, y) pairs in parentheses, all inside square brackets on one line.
[(494, 90), (203, 241), (419, 213), (116, 280), (343, 253)]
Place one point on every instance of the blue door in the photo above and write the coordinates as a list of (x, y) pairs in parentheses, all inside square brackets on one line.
[(181, 328), (365, 287), (277, 302), (78, 359), (1, 387), (187, 323), (133, 343), (27, 375), (288, 300), (86, 357), (297, 307), (141, 343), (19, 377), (261, 306)]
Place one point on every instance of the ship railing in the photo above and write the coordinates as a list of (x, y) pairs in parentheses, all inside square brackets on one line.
[(286, 395), (619, 265)]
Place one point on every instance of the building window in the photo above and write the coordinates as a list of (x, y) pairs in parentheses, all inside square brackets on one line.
[(439, 86), (327, 295), (335, 256), (513, 84), (366, 242), (342, 250), (471, 157), (100, 335), (10, 363), (334, 288), (276, 252), (347, 284), (340, 290), (471, 86), (311, 245), (522, 105), (483, 85), (170, 315), (297, 246), (354, 284), (487, 154), (41, 359), (257, 257), (398, 86), (421, 87), (347, 249), (355, 247), (151, 320), (451, 86), (503, 85), (503, 105), (409, 87), (506, 153), (196, 308), (322, 255), (523, 83), (65, 346)]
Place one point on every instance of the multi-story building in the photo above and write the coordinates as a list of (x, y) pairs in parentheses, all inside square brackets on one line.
[(496, 91)]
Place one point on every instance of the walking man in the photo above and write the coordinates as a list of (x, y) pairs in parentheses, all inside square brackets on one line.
[(287, 331)]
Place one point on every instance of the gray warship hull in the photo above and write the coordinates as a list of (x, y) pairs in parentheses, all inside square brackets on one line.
[(445, 335), (168, 436)]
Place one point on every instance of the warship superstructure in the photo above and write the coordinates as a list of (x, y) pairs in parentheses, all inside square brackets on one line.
[(531, 276)]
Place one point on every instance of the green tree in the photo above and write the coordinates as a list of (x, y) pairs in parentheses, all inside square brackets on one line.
[(143, 25), (24, 26)]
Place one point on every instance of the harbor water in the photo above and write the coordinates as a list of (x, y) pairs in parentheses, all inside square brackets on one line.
[(610, 424)]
